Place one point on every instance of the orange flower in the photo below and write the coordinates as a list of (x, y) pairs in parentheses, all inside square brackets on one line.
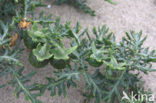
[(14, 39), (23, 24)]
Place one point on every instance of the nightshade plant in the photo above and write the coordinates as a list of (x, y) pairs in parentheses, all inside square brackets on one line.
[(108, 67)]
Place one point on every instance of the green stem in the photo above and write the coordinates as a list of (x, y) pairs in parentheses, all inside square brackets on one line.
[(23, 87)]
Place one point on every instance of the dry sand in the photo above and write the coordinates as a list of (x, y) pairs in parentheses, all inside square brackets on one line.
[(126, 15)]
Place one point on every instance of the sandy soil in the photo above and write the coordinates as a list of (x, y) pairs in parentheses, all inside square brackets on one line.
[(126, 15)]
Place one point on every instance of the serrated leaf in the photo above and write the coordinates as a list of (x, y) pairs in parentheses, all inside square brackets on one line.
[(61, 53), (42, 52), (38, 35), (113, 64), (98, 54)]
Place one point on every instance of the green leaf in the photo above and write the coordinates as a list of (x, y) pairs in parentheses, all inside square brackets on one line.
[(61, 53), (38, 35), (98, 54), (42, 52), (151, 59), (110, 1), (113, 64), (35, 26)]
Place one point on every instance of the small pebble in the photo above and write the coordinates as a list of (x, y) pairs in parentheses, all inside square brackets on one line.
[(49, 6)]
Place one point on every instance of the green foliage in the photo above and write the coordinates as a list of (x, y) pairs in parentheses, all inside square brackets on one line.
[(49, 47), (94, 62), (59, 64), (35, 62), (42, 52), (28, 42), (10, 65), (7, 9), (115, 67), (110, 1), (9, 56), (79, 4)]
